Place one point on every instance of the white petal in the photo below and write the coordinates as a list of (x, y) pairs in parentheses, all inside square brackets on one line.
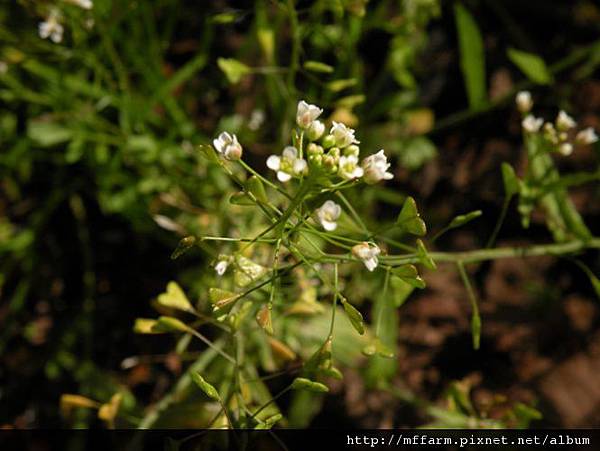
[(371, 263), (283, 176), (274, 162), (330, 226), (289, 153), (299, 166)]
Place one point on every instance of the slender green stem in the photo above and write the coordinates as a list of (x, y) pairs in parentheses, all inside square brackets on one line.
[(211, 345), (479, 255), (499, 223), (476, 318)]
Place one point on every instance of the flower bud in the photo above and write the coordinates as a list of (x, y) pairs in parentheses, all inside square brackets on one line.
[(564, 122), (329, 163), (352, 149), (328, 141), (524, 102), (314, 149), (315, 130), (334, 152)]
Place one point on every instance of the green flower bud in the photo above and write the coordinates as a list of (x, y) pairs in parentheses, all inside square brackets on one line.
[(334, 152), (352, 149), (314, 149), (328, 141)]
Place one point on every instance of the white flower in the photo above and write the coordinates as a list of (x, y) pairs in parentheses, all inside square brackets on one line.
[(288, 165), (306, 114), (587, 136), (315, 130), (367, 252), (532, 124), (228, 146), (348, 167), (566, 148), (564, 121), (328, 214), (85, 4), (375, 167), (221, 266), (51, 27), (524, 102), (344, 136)]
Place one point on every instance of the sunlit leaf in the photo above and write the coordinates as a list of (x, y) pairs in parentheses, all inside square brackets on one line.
[(175, 298), (170, 324), (145, 326), (234, 70), (531, 65)]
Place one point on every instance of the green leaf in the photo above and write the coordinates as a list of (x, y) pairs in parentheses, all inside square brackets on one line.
[(354, 315), (410, 275), (423, 255), (510, 179), (183, 246), (317, 66), (207, 388), (170, 324), (301, 383), (410, 220), (472, 56), (461, 220), (531, 65), (175, 298), (234, 70)]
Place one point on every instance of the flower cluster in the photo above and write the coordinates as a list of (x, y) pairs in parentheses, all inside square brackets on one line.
[(51, 27), (558, 133), (326, 154), (335, 153)]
